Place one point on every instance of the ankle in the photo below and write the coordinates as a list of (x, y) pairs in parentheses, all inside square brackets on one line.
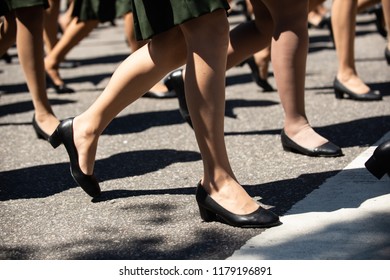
[(349, 78), (354, 83), (42, 116), (216, 184), (84, 128), (231, 196), (50, 64), (292, 128)]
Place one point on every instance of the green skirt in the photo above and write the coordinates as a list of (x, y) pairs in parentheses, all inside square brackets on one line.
[(9, 5), (152, 17), (123, 7), (101, 10)]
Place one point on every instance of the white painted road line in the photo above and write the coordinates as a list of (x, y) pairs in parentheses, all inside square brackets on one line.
[(346, 218)]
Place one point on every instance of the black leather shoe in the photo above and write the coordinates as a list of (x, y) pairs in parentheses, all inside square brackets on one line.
[(379, 163), (387, 55), (160, 95), (256, 75), (326, 150), (340, 90), (40, 133), (58, 88), (212, 211), (175, 81), (64, 135)]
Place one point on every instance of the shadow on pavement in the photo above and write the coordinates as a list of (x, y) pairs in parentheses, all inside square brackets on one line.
[(361, 132), (47, 180)]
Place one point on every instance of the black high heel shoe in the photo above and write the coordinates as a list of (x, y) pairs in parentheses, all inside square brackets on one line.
[(58, 88), (170, 93), (256, 75), (64, 135), (175, 81), (40, 133), (340, 90), (326, 150), (210, 211), (379, 163), (387, 55)]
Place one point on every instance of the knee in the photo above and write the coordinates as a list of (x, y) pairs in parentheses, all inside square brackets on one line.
[(169, 48), (211, 29)]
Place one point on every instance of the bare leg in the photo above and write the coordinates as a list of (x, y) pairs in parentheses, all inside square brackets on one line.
[(65, 19), (250, 37), (316, 12), (130, 35), (289, 59), (205, 85), (344, 22), (205, 92), (132, 79), (30, 49), (51, 24), (135, 45), (289, 53), (262, 59), (75, 32)]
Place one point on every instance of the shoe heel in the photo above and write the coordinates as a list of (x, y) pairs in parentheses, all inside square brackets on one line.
[(376, 168), (55, 139), (206, 215), (339, 93)]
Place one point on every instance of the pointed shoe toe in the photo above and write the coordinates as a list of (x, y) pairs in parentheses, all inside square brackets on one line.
[(64, 135), (63, 88), (263, 83), (326, 150), (210, 211), (340, 90)]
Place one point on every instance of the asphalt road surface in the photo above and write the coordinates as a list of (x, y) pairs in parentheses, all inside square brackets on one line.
[(149, 164)]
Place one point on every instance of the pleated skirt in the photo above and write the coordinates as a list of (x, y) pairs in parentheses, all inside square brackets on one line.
[(101, 10), (152, 17), (9, 5)]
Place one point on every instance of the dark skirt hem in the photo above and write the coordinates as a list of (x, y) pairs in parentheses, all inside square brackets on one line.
[(152, 18), (7, 6)]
